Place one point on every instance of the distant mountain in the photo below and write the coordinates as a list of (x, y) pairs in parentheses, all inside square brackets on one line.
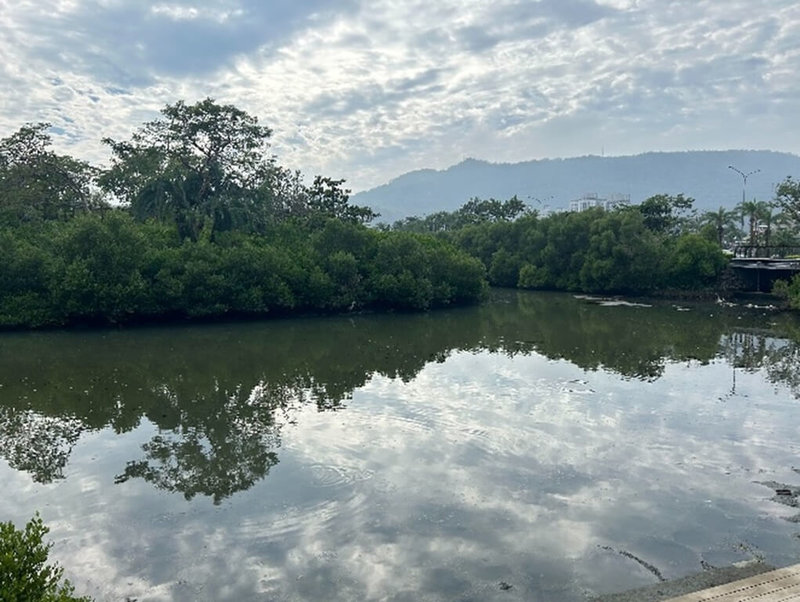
[(703, 175)]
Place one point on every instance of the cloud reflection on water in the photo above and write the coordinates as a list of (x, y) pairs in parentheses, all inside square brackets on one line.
[(489, 467)]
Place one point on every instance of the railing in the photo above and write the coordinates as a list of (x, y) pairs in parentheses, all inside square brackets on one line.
[(776, 251)]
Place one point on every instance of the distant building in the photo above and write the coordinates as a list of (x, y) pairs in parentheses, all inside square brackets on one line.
[(591, 200)]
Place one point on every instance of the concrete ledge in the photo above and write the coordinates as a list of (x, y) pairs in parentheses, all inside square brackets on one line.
[(669, 590)]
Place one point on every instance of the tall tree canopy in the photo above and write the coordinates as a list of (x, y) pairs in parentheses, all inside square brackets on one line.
[(788, 198), (722, 223), (199, 164), (475, 211), (37, 184), (663, 213), (206, 167)]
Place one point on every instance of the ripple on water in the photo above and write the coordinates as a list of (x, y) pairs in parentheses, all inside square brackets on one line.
[(334, 476), (294, 519)]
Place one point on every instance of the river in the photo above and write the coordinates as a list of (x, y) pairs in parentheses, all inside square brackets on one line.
[(538, 447)]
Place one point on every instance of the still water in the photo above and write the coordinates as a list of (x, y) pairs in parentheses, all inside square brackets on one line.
[(539, 447)]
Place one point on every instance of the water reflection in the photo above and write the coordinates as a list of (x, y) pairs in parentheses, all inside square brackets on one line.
[(752, 350), (223, 442), (540, 441), (219, 395), (37, 444)]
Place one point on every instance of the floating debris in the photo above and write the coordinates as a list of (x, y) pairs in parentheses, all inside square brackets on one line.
[(609, 301)]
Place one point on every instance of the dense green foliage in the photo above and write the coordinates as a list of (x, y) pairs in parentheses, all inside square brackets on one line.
[(193, 218), (789, 291), (788, 199), (112, 269), (25, 575), (474, 211), (664, 213), (208, 225), (38, 185), (631, 250), (205, 168)]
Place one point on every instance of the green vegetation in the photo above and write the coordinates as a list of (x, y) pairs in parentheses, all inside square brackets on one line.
[(788, 199), (24, 574), (111, 269), (633, 250), (204, 223), (37, 185), (789, 291), (193, 218)]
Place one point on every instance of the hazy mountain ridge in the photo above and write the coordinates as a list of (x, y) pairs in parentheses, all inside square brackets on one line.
[(703, 175)]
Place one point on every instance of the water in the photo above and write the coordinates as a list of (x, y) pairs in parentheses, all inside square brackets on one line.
[(540, 447)]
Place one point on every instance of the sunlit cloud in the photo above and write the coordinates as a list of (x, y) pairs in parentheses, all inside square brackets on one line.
[(367, 91)]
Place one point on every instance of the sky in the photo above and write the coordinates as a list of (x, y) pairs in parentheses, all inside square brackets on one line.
[(367, 90)]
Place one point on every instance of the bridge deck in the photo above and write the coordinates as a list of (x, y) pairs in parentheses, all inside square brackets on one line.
[(782, 585), (765, 263)]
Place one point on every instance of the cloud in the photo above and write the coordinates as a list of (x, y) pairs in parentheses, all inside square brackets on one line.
[(124, 42), (403, 496), (368, 90)]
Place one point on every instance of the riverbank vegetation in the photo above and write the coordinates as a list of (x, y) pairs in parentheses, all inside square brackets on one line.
[(25, 575), (193, 218), (631, 250), (204, 223), (659, 246), (111, 269)]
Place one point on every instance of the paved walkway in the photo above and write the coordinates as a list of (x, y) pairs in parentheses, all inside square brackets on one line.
[(782, 585)]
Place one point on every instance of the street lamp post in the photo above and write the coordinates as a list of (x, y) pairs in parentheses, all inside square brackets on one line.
[(744, 179)]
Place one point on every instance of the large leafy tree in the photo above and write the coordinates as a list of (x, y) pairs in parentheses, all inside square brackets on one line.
[(788, 199), (477, 210), (664, 213), (206, 168), (327, 197), (473, 212), (37, 184), (199, 165)]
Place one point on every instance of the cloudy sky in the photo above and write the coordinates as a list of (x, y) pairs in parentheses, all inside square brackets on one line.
[(370, 89)]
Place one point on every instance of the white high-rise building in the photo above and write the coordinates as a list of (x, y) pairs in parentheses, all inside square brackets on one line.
[(591, 200)]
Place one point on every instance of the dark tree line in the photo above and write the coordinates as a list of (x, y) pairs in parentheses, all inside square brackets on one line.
[(194, 218), (113, 269), (634, 250)]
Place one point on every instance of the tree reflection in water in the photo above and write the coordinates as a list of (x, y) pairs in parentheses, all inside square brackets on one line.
[(224, 444), (37, 444), (220, 395)]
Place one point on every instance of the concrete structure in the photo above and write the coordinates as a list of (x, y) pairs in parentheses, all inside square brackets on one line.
[(781, 585), (591, 200), (752, 581), (759, 266), (760, 274)]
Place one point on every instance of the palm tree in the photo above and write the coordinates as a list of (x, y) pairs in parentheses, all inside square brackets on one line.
[(751, 210), (765, 216), (722, 220)]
